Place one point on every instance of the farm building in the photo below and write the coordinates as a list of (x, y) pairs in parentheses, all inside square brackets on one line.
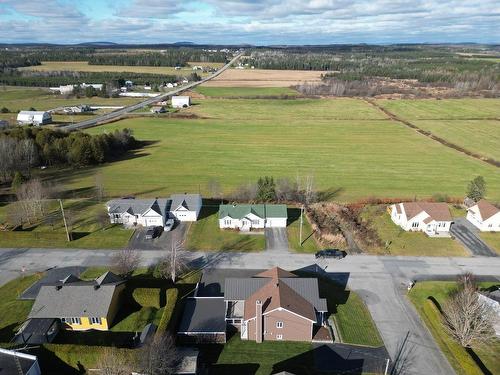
[(63, 89), (77, 109), (484, 216), (97, 86), (181, 101), (434, 219), (34, 118), (252, 216)]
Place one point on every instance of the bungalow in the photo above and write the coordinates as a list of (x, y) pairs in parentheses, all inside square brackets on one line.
[(272, 305), (79, 305), (17, 363), (154, 212), (434, 219), (181, 101), (186, 207), (132, 212), (34, 118), (252, 216), (484, 216)]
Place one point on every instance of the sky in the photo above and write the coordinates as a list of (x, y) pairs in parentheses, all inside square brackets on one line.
[(255, 22)]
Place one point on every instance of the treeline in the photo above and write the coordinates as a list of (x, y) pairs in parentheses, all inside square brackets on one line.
[(31, 57), (26, 147), (170, 57), (13, 77), (428, 66)]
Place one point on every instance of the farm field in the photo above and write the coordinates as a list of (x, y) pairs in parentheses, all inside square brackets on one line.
[(241, 92), (83, 66), (263, 78), (459, 358), (22, 98), (350, 148)]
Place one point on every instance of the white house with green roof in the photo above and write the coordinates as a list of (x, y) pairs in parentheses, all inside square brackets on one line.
[(252, 216)]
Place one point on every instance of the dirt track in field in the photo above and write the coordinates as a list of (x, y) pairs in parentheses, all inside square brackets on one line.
[(263, 78)]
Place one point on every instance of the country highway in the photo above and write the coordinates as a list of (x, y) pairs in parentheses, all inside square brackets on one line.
[(116, 114)]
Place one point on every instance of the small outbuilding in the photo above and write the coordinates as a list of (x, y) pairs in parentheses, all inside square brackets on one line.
[(34, 118), (181, 101), (203, 321)]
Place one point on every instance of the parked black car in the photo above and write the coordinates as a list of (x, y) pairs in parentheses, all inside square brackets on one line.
[(152, 232), (331, 253)]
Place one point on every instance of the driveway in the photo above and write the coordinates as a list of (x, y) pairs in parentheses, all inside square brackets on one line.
[(163, 242), (467, 234), (276, 239)]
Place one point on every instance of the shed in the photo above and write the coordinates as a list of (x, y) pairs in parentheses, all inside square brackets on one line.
[(203, 321), (37, 331), (181, 101), (34, 118)]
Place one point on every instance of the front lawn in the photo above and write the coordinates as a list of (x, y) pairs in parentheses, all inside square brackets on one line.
[(309, 243), (205, 235), (458, 357), (399, 242)]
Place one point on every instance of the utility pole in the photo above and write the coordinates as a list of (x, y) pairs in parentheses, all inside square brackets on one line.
[(300, 229), (386, 366), (64, 220)]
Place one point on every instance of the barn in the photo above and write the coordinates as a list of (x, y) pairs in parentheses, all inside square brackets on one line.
[(34, 118), (181, 101)]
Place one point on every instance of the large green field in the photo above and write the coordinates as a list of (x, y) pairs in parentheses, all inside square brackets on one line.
[(241, 92), (350, 147), (473, 124)]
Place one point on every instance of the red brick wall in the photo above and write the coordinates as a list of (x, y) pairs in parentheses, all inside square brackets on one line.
[(294, 328)]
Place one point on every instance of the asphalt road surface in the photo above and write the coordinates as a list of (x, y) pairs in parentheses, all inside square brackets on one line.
[(381, 282), (117, 114), (466, 233)]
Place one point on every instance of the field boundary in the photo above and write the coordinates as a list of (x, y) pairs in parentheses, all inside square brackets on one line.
[(429, 134)]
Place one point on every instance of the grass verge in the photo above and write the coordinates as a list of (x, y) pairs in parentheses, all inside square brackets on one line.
[(309, 243)]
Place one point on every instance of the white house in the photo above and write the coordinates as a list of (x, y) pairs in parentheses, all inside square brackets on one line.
[(133, 212), (186, 207), (484, 216), (154, 212), (34, 118), (492, 299), (434, 219), (18, 363), (181, 101), (252, 216)]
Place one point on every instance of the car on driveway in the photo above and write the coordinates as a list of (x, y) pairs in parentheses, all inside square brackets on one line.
[(331, 253), (169, 224), (152, 232)]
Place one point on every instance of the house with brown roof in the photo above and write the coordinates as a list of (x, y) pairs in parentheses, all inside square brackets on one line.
[(432, 218), (271, 305), (484, 216)]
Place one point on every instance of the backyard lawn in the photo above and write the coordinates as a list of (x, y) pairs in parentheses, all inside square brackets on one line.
[(492, 239), (399, 242), (205, 235), (458, 357)]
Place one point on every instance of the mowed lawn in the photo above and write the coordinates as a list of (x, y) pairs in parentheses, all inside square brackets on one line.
[(473, 124), (23, 98), (492, 239), (348, 146)]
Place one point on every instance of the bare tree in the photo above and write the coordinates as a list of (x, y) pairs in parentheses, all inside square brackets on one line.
[(286, 190), (15, 214), (126, 261), (159, 357), (468, 319), (111, 363), (99, 187), (32, 198), (102, 219), (174, 263)]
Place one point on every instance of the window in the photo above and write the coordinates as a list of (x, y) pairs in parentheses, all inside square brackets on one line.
[(279, 324), (71, 320), (414, 224), (255, 222), (490, 226), (279, 337), (95, 320), (227, 222)]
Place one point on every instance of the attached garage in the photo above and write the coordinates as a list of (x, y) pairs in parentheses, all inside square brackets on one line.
[(203, 321)]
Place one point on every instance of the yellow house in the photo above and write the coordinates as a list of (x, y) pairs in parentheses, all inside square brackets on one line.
[(80, 305)]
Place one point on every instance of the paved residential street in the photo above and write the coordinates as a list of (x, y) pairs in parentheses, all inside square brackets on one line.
[(467, 234), (379, 280)]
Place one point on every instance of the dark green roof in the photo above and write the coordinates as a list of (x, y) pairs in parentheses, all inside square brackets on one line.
[(239, 211)]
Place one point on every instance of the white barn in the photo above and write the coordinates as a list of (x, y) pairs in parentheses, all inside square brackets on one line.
[(252, 216), (34, 118), (484, 216), (186, 207), (434, 219), (181, 101)]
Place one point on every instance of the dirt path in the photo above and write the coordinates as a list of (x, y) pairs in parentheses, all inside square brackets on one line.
[(428, 134)]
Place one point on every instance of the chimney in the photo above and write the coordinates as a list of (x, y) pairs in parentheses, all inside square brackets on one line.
[(258, 321)]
